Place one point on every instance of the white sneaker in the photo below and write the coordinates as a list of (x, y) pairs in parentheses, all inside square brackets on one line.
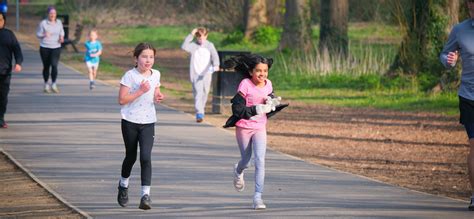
[(55, 88), (258, 204), (47, 88), (239, 183)]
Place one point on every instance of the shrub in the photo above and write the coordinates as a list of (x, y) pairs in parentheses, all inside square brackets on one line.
[(266, 35)]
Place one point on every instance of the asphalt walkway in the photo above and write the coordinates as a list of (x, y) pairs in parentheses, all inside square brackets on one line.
[(72, 142)]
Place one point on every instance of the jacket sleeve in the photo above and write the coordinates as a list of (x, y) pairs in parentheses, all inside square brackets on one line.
[(40, 31), (450, 46), (17, 51), (187, 44), (239, 108)]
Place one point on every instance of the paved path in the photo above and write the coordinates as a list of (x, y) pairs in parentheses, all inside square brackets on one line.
[(72, 142)]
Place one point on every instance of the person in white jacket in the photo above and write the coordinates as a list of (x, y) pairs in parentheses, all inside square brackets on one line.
[(204, 61)]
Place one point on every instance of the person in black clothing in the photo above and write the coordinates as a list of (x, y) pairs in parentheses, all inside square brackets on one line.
[(9, 47)]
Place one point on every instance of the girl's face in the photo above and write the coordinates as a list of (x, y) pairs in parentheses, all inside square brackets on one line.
[(201, 39), (145, 60), (52, 15), (259, 73), (93, 36)]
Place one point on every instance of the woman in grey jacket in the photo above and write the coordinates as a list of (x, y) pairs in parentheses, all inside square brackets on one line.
[(51, 34)]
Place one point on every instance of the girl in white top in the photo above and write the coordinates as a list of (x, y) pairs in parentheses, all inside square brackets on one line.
[(139, 91)]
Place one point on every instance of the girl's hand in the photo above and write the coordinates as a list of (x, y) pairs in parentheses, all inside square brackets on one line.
[(159, 97), (144, 86), (61, 39), (194, 31)]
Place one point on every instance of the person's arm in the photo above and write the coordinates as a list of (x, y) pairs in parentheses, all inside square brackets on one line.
[(61, 31), (126, 97), (40, 32), (158, 97), (17, 54), (449, 54), (187, 44), (99, 52), (215, 58)]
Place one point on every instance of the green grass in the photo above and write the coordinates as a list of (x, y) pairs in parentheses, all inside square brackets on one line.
[(371, 44), (444, 103)]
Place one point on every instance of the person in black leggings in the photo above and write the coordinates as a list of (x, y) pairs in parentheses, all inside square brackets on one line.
[(139, 91), (51, 34), (9, 47)]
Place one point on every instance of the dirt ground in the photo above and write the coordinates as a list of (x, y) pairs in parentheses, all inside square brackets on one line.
[(420, 151)]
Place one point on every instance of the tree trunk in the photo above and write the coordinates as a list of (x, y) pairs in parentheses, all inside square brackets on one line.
[(427, 24), (333, 36), (255, 16), (453, 14), (297, 28)]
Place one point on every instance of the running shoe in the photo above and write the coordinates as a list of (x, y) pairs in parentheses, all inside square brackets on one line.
[(122, 196), (239, 183), (145, 203), (258, 204)]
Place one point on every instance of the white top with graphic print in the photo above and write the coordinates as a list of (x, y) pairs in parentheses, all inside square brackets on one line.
[(141, 110)]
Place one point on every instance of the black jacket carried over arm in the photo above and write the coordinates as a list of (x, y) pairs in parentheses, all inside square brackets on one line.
[(240, 110), (9, 45)]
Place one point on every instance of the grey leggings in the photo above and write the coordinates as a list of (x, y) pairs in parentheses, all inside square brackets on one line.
[(252, 140)]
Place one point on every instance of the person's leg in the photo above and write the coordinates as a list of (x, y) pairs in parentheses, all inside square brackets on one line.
[(130, 139), (94, 73), (90, 71), (244, 141), (470, 160), (55, 55), (206, 88), (4, 90), (45, 54), (198, 93), (146, 139), (259, 140)]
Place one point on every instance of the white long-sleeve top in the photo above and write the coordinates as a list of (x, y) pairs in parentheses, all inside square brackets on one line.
[(204, 58)]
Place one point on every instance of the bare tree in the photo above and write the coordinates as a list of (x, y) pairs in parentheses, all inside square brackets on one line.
[(297, 28), (333, 36), (255, 16)]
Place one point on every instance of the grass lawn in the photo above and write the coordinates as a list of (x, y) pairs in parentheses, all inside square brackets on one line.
[(376, 42)]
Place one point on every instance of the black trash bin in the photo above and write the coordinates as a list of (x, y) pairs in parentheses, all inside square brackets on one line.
[(225, 84)]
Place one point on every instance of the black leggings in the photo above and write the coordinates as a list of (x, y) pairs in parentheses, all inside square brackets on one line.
[(134, 135), (50, 58), (4, 89)]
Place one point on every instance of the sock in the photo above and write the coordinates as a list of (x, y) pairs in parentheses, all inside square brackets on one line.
[(124, 182), (258, 195), (145, 190)]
